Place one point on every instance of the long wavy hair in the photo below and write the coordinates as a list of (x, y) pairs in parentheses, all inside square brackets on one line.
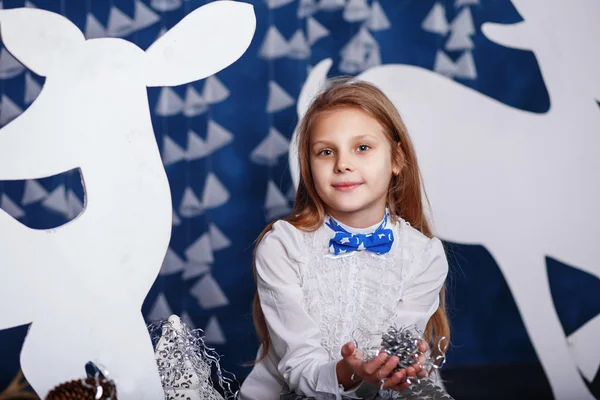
[(405, 195)]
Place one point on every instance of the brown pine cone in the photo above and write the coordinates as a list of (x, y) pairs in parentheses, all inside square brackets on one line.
[(76, 390)]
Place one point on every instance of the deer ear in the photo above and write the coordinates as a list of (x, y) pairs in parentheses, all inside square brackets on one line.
[(203, 43), (314, 84), (39, 39)]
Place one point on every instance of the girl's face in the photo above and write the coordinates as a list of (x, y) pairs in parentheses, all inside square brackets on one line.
[(351, 163)]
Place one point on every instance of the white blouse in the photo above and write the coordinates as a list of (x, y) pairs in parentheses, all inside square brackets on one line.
[(314, 301)]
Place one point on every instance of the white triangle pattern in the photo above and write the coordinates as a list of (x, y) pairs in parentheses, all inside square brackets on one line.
[(213, 334), (33, 192), (57, 201), (208, 293), (436, 21), (274, 45), (8, 110), (160, 310), (172, 263), (270, 149), (9, 66), (32, 89), (11, 207), (306, 8), (93, 28), (278, 99)]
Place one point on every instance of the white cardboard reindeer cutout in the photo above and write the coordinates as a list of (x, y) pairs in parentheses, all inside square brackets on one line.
[(524, 185), (82, 284)]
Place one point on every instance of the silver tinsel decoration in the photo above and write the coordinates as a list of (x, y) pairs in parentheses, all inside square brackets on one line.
[(186, 363)]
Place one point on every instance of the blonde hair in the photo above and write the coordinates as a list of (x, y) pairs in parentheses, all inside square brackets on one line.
[(405, 196)]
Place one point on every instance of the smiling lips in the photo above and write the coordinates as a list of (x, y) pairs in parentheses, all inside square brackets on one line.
[(346, 186)]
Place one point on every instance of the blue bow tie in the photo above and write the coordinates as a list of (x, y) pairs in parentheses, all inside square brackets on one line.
[(379, 242)]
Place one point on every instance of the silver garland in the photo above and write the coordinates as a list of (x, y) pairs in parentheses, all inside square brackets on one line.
[(186, 363)]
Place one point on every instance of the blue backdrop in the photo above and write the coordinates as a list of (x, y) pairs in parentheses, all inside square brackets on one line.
[(224, 144)]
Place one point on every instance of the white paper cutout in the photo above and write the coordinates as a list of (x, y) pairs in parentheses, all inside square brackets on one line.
[(9, 66), (190, 204), (169, 103), (161, 309), (306, 8), (11, 207), (278, 99), (208, 293), (214, 91), (171, 152), (213, 334), (93, 28), (270, 149), (378, 20), (214, 194), (356, 10), (172, 263), (467, 139), (165, 5), (101, 125), (436, 21), (8, 110), (585, 356), (274, 45), (315, 30), (218, 240), (194, 103), (33, 192), (201, 250), (32, 89), (298, 46)]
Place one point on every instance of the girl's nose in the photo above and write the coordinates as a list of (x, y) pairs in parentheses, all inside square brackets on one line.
[(343, 164)]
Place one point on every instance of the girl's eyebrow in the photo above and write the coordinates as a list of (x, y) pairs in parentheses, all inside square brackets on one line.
[(357, 137)]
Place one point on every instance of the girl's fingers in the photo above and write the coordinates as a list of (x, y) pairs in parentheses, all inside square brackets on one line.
[(372, 366), (396, 379), (388, 367)]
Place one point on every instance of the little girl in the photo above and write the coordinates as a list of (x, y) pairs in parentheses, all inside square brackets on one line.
[(356, 255)]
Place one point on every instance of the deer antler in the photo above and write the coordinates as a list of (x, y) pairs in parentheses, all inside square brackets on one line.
[(17, 389)]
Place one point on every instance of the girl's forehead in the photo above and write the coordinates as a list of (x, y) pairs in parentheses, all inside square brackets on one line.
[(345, 123)]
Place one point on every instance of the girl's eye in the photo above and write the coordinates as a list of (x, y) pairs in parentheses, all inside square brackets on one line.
[(363, 147), (325, 152)]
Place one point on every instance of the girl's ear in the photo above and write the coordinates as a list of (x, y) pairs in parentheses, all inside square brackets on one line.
[(398, 161)]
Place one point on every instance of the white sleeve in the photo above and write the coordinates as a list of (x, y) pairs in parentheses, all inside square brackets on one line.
[(294, 335), (422, 289)]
